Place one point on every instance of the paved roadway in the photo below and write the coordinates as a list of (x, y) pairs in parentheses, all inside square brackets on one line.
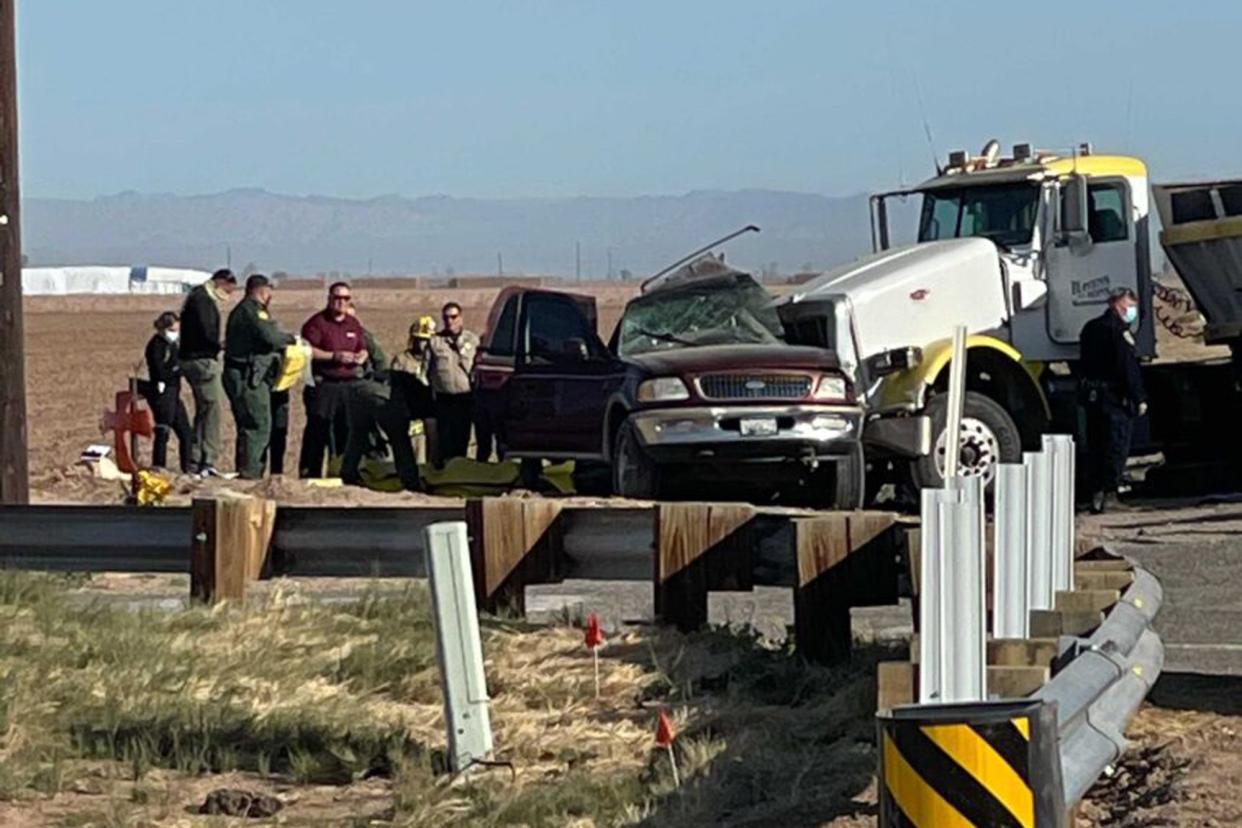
[(768, 609), (1196, 553)]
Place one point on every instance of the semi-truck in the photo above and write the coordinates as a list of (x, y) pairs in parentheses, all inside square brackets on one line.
[(1023, 250)]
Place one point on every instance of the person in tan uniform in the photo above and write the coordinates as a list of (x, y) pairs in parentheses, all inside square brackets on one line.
[(453, 350)]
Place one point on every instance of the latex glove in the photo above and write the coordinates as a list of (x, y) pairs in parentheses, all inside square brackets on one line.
[(159, 387), (1142, 408)]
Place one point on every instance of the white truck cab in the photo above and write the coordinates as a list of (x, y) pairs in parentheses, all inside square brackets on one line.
[(1023, 251)]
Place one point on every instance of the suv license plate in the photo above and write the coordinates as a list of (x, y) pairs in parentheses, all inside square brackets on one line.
[(757, 426)]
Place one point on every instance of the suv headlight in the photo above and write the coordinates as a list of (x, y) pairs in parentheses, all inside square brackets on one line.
[(662, 389), (832, 388)]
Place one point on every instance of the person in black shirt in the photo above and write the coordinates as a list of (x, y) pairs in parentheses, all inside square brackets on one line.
[(163, 392), (1113, 395), (201, 366)]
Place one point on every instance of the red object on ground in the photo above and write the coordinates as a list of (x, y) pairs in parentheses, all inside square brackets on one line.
[(664, 731), (127, 419), (594, 635)]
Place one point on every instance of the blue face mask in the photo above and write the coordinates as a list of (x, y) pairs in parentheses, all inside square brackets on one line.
[(1131, 314)]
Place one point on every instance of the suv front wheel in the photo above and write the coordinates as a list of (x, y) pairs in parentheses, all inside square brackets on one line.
[(634, 474)]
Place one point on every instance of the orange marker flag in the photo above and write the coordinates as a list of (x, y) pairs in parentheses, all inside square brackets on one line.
[(594, 635), (594, 638), (665, 734)]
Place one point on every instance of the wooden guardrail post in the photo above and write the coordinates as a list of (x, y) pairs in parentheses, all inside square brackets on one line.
[(842, 562), (821, 598), (514, 542), (230, 536), (699, 547)]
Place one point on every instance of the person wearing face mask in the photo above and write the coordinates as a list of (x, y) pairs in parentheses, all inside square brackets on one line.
[(163, 392), (1112, 394), (253, 346), (201, 365)]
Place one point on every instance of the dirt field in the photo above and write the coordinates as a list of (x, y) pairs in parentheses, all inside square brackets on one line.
[(80, 349)]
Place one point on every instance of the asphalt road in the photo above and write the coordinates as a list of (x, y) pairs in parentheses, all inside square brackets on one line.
[(1196, 554), (768, 609)]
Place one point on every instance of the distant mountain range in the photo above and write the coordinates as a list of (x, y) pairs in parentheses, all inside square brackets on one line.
[(441, 234)]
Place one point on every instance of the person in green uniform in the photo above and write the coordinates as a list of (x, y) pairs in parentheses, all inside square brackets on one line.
[(253, 347)]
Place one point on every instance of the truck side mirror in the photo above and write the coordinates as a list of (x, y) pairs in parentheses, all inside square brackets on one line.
[(1074, 209)]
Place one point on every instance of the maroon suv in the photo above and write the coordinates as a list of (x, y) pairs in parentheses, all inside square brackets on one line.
[(696, 378)]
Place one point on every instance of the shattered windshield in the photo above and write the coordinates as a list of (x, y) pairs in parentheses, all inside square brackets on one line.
[(729, 312), (1004, 213)]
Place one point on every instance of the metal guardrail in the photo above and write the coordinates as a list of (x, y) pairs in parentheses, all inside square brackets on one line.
[(1098, 692), (933, 766)]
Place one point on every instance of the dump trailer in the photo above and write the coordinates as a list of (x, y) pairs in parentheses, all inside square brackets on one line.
[(1023, 250)]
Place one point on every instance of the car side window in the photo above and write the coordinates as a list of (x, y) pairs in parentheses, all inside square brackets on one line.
[(1107, 222), (557, 333), (501, 343)]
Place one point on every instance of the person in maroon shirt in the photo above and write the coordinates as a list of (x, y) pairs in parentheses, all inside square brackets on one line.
[(339, 350)]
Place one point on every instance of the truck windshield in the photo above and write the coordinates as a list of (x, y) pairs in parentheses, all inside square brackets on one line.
[(714, 313), (1004, 213)]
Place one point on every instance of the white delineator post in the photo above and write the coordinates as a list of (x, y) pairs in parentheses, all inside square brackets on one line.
[(458, 645), (957, 399), (1011, 616), (952, 610), (931, 594), (952, 614), (1060, 448), (1039, 529)]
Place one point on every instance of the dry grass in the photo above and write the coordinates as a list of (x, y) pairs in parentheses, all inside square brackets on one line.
[(340, 704)]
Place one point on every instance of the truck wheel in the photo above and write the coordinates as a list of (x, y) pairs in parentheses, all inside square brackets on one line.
[(633, 472), (989, 436)]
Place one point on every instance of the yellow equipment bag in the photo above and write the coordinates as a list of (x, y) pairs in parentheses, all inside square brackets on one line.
[(295, 366)]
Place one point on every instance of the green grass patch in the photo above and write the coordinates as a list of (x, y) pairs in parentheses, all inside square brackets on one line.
[(301, 688), (290, 690)]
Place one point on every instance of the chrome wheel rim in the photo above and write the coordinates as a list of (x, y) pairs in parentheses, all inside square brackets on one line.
[(980, 450)]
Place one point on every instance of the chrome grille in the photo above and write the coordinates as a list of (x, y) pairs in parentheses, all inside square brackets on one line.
[(755, 386)]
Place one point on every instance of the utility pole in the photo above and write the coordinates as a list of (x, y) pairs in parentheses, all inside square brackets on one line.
[(14, 468), (577, 261), (610, 263), (500, 265)]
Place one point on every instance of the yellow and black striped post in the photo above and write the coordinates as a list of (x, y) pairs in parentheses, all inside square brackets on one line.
[(988, 765)]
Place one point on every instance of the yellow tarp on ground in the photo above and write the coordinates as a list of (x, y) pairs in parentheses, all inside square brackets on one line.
[(463, 477)]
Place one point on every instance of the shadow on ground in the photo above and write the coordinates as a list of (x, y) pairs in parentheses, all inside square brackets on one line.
[(1196, 691)]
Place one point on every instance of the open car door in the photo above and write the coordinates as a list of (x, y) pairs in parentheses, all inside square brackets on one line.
[(563, 378)]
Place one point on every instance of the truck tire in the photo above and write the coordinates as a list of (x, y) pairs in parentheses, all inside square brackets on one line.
[(989, 436), (634, 474), (848, 477)]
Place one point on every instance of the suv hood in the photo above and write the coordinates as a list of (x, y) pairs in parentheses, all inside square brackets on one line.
[(711, 358)]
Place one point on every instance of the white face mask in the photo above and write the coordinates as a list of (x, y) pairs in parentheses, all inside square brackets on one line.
[(172, 336)]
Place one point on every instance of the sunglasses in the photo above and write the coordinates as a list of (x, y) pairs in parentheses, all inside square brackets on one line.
[(336, 297), (451, 316)]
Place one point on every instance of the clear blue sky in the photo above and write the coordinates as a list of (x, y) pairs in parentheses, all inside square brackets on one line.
[(527, 98)]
